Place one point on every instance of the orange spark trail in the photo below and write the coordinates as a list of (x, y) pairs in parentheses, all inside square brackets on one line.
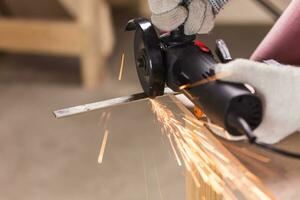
[(145, 176), (202, 160), (174, 150), (121, 66), (250, 154), (207, 80), (105, 117), (158, 183), (102, 149)]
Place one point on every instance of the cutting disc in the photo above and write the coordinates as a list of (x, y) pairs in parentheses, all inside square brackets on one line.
[(148, 57)]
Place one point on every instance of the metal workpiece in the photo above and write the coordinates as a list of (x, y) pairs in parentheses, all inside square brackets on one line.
[(67, 112), (98, 105)]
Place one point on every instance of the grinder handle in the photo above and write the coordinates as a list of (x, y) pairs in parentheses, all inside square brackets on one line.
[(195, 67)]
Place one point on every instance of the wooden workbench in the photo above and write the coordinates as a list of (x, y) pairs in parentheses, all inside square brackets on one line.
[(276, 176), (89, 36), (281, 175)]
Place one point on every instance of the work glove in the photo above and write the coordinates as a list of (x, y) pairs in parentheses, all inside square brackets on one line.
[(279, 89), (169, 15)]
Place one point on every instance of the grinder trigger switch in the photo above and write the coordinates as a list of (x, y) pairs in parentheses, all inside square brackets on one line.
[(222, 51), (202, 46)]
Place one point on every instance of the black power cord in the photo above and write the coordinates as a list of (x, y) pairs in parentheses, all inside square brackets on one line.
[(242, 125)]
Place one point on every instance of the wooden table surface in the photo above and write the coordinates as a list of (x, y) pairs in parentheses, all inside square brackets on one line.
[(281, 175)]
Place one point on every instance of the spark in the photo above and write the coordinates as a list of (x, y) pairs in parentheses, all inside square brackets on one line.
[(102, 116), (187, 94), (174, 150), (191, 122), (121, 67), (260, 194), (250, 154), (105, 117), (196, 180), (145, 176), (158, 183), (202, 160), (206, 80), (102, 149)]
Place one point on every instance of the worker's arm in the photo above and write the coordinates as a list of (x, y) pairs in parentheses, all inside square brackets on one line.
[(279, 88), (282, 42), (198, 17)]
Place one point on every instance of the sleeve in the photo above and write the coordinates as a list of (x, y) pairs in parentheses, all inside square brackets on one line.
[(282, 42)]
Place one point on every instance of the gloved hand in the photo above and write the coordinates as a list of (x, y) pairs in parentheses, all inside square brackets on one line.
[(279, 88), (169, 15)]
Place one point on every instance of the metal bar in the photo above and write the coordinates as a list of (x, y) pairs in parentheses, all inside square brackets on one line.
[(67, 112), (98, 105)]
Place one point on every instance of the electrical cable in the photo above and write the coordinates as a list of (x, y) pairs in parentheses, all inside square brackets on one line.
[(242, 124)]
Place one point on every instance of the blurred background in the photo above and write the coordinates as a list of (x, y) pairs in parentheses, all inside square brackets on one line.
[(55, 54)]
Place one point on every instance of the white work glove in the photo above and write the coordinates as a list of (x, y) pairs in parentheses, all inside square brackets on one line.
[(279, 89), (169, 15)]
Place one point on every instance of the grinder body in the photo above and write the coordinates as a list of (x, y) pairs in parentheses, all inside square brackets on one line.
[(177, 60), (188, 64)]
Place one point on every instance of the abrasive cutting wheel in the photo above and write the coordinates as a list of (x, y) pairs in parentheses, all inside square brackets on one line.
[(148, 57)]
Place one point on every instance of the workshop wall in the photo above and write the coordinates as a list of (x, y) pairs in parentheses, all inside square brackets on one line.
[(252, 12)]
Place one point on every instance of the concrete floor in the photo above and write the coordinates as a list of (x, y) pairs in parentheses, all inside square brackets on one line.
[(44, 158)]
